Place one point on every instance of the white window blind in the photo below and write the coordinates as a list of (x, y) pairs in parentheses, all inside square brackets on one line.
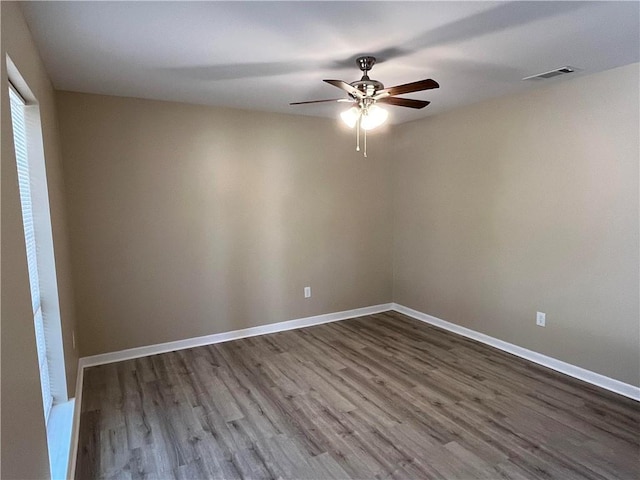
[(20, 142)]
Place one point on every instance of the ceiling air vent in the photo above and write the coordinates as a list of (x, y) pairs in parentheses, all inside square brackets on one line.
[(551, 74)]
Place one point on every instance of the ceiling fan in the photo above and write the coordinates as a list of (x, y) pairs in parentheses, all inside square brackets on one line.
[(365, 93)]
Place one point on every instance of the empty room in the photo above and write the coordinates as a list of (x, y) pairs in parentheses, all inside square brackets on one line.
[(320, 240)]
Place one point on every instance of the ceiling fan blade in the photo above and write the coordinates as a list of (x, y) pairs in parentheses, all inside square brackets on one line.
[(404, 102), (346, 87), (322, 101), (418, 86)]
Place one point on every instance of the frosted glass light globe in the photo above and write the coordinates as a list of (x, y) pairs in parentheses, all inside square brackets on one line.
[(350, 117), (374, 117)]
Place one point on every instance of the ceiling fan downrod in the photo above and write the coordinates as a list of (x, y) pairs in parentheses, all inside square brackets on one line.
[(365, 64)]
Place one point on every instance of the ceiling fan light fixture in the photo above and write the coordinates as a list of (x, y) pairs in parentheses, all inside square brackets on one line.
[(350, 117), (373, 117)]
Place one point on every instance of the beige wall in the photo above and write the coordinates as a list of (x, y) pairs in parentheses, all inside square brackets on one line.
[(24, 453), (189, 220), (528, 203)]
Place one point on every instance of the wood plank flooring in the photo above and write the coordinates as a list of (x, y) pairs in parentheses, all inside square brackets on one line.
[(383, 396)]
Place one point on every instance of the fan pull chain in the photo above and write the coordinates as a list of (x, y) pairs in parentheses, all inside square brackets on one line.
[(358, 136), (365, 144)]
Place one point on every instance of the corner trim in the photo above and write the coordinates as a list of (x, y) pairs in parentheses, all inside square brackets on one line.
[(75, 427), (588, 376)]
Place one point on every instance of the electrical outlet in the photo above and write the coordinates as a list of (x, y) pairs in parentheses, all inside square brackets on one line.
[(541, 319), (307, 292), (73, 339)]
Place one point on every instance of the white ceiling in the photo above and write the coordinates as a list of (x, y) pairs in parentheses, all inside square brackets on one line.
[(263, 55)]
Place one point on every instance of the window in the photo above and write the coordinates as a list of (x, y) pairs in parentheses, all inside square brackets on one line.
[(20, 141), (41, 266)]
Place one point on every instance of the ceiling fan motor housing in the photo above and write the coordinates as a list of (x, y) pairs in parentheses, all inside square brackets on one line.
[(368, 86)]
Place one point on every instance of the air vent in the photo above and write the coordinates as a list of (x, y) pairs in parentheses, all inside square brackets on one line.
[(551, 74)]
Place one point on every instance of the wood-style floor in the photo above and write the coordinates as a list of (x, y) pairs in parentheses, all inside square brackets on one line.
[(382, 396)]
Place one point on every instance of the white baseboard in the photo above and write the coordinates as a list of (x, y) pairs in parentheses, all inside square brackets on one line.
[(588, 376), (563, 367), (227, 336)]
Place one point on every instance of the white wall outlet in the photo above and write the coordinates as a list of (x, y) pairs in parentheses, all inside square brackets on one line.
[(307, 292), (541, 319), (73, 339)]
